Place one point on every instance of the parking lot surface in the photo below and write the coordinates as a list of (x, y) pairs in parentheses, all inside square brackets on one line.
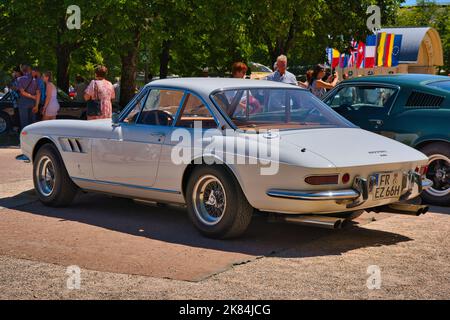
[(132, 250)]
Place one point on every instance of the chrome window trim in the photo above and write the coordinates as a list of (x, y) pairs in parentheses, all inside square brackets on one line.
[(185, 91), (118, 184), (131, 104), (186, 94)]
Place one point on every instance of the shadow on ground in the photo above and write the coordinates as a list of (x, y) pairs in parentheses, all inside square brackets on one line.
[(171, 225)]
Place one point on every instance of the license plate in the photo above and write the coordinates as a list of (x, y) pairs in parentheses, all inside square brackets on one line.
[(387, 185)]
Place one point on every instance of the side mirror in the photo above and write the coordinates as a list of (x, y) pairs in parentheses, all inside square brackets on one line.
[(115, 119)]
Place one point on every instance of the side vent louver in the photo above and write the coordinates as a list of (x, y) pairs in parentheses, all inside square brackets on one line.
[(423, 100), (71, 145)]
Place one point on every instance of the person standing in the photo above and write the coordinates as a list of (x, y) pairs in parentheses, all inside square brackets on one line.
[(80, 87), (100, 90), (281, 74), (29, 97), (239, 70), (51, 104), (318, 87), (37, 75)]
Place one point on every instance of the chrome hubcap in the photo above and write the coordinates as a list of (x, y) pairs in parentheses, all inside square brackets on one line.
[(45, 176), (209, 200), (439, 173)]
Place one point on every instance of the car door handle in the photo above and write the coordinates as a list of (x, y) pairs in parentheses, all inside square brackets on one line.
[(157, 134), (376, 122)]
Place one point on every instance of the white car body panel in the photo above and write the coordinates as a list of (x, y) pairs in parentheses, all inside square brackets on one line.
[(135, 161)]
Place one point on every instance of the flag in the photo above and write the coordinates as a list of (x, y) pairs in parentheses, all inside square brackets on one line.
[(371, 43), (343, 60), (353, 52), (381, 41), (335, 58), (361, 55), (396, 49), (388, 50), (329, 55)]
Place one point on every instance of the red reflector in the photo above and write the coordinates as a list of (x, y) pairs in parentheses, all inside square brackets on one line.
[(24, 133), (423, 170), (345, 178), (319, 180)]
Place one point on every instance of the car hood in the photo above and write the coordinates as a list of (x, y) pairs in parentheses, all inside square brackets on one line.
[(351, 146)]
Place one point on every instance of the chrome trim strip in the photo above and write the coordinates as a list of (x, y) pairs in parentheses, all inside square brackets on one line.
[(117, 184), (346, 194)]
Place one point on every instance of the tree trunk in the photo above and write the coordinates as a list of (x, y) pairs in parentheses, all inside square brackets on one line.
[(62, 67), (164, 59), (128, 72)]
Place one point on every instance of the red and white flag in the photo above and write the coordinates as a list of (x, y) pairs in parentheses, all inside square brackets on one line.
[(361, 55), (371, 45)]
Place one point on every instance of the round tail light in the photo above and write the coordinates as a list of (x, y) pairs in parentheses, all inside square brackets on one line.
[(345, 178)]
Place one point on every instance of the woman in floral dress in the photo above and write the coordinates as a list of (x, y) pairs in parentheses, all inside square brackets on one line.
[(102, 90)]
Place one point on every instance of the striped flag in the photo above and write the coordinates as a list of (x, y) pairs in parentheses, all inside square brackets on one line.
[(396, 50), (353, 52), (388, 50), (333, 57), (381, 45), (335, 60), (361, 55), (371, 44), (343, 60)]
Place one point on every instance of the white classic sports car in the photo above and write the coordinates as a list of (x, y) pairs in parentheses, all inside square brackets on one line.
[(225, 147)]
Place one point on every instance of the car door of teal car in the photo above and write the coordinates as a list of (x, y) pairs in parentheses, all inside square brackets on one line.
[(366, 105)]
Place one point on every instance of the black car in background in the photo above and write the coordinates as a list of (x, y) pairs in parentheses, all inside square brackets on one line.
[(69, 109)]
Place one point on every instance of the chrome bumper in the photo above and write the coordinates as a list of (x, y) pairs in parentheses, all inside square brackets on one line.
[(412, 183)]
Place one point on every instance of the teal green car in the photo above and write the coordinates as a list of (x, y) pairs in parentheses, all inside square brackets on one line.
[(410, 108)]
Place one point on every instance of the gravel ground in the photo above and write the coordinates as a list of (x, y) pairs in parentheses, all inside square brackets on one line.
[(412, 254)]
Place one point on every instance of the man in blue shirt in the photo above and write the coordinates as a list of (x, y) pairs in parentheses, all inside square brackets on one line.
[(281, 74), (29, 97)]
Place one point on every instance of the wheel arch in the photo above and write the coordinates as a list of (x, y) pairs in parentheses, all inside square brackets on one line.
[(41, 142), (200, 162), (421, 144)]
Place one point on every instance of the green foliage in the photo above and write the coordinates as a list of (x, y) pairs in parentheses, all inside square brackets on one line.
[(428, 13), (196, 33)]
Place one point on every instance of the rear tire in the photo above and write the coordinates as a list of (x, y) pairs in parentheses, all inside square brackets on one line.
[(438, 172), (216, 204), (51, 180)]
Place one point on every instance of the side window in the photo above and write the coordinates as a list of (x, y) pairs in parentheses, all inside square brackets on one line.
[(195, 111), (160, 107), (133, 115), (360, 97)]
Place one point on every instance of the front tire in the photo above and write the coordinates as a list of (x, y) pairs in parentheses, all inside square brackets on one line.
[(438, 172), (51, 180), (216, 204), (5, 123)]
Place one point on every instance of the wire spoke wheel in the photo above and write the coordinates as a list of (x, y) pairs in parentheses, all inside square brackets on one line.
[(209, 200), (45, 176), (439, 173)]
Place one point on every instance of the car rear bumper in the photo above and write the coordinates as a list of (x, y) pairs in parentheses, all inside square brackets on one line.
[(412, 186)]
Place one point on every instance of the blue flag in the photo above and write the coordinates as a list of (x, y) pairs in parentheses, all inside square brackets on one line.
[(396, 50)]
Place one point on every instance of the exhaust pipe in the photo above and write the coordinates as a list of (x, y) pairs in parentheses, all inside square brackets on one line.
[(313, 221), (403, 208)]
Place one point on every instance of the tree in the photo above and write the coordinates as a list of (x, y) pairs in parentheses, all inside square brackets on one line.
[(428, 13)]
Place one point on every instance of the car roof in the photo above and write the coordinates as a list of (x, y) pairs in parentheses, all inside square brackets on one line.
[(206, 86), (401, 79)]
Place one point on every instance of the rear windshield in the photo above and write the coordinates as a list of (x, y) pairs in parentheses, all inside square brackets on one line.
[(277, 109), (441, 85)]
